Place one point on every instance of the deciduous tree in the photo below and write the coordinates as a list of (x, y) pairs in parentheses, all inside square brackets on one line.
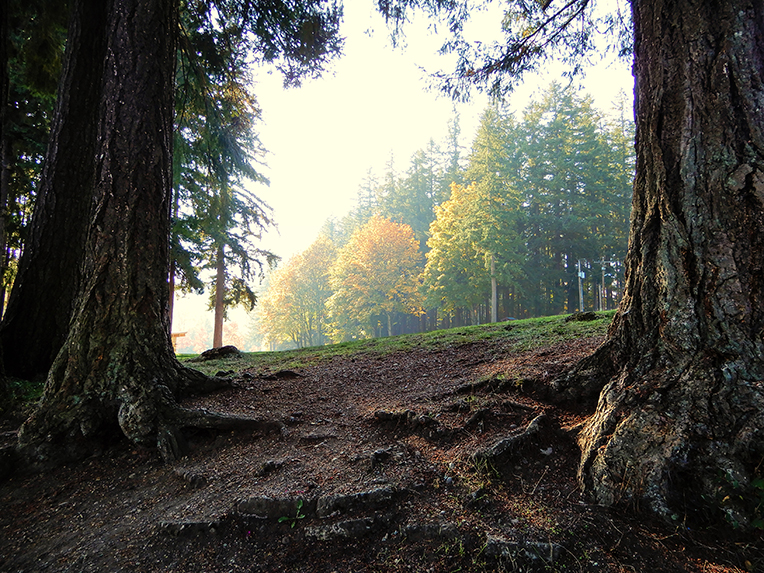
[(294, 306), (375, 275), (455, 276)]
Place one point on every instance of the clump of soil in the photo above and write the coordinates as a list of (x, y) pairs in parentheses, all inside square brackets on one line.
[(427, 460)]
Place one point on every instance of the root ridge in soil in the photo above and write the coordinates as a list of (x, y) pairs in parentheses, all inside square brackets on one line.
[(424, 460)]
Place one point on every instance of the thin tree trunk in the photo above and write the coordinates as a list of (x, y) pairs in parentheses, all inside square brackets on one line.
[(494, 294), (5, 158), (171, 279), (4, 176), (217, 336), (5, 151), (171, 290), (679, 424)]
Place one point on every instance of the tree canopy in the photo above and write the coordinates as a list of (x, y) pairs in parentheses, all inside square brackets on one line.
[(374, 277)]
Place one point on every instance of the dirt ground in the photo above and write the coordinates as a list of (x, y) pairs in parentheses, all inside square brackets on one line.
[(370, 465)]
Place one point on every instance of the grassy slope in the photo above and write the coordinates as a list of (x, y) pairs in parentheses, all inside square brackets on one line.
[(522, 334)]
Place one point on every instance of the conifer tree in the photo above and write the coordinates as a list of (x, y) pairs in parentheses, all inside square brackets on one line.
[(571, 191), (116, 373), (216, 157), (678, 381), (411, 199)]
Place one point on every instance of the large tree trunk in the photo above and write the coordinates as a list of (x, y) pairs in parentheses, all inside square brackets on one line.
[(117, 371), (4, 174), (679, 427), (42, 300)]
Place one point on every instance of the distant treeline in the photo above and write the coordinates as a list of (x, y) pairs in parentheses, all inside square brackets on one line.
[(542, 198)]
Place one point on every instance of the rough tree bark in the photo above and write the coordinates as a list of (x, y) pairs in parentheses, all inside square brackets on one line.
[(217, 335), (4, 174), (679, 427), (116, 371), (36, 321)]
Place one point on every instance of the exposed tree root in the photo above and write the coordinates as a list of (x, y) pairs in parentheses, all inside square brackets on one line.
[(504, 452), (677, 435), (193, 382), (173, 419), (585, 381), (66, 428), (686, 447)]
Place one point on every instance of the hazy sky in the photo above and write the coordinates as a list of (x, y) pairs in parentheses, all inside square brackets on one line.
[(324, 136)]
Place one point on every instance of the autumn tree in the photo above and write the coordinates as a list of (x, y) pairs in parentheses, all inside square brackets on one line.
[(293, 307), (276, 320), (680, 407), (455, 276), (374, 278)]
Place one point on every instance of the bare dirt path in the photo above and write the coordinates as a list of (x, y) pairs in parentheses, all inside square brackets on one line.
[(371, 465)]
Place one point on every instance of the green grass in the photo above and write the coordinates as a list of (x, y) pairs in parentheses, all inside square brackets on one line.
[(23, 395), (520, 335)]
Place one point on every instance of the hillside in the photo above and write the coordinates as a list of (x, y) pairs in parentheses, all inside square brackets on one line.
[(415, 453)]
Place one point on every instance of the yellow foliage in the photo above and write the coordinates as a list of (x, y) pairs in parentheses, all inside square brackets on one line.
[(376, 273)]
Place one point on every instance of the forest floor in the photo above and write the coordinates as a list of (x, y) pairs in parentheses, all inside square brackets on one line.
[(376, 461)]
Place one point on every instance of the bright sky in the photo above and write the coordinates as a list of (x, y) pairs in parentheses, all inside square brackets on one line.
[(324, 136)]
